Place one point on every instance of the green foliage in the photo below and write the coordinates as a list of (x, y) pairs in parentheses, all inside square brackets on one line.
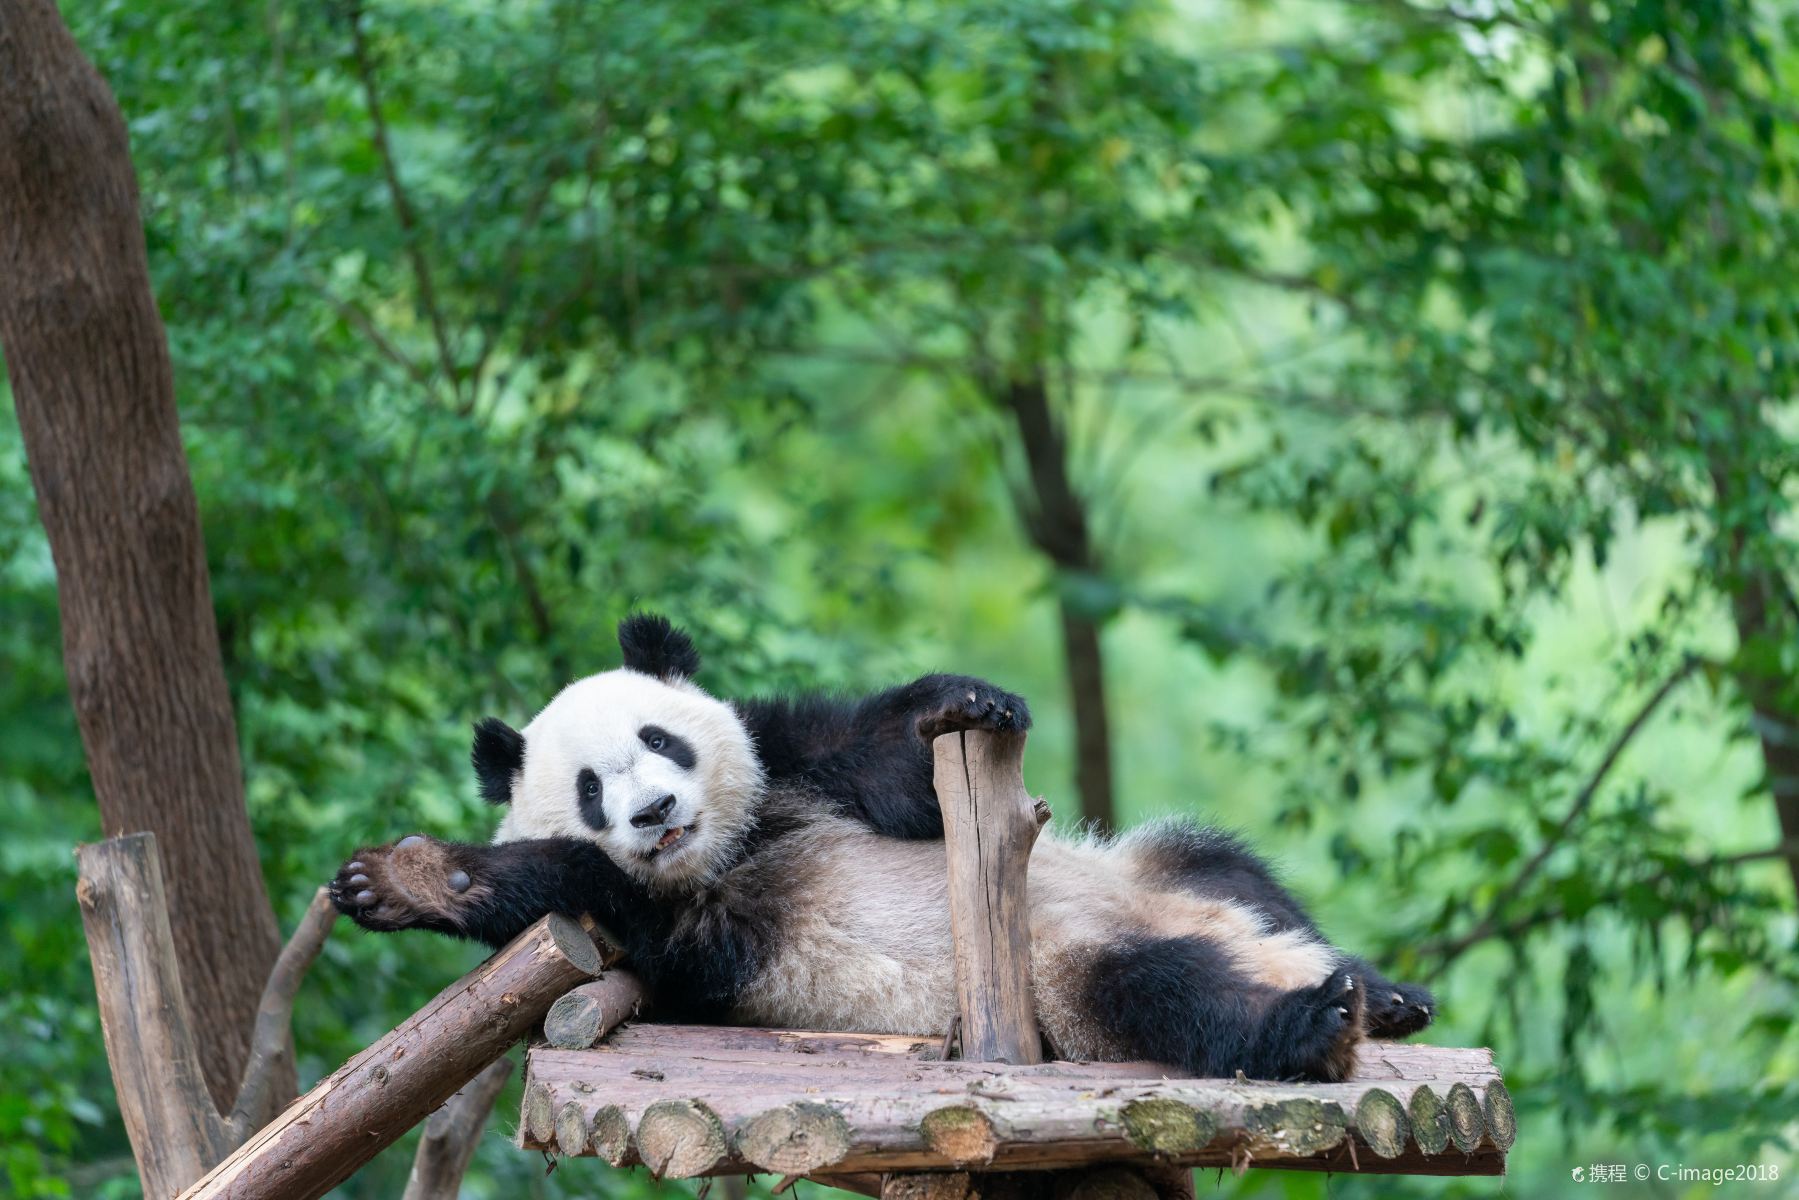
[(1428, 371)]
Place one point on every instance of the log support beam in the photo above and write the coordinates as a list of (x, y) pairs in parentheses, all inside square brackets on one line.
[(369, 1102)]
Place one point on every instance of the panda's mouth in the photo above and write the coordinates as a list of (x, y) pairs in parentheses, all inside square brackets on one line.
[(671, 837)]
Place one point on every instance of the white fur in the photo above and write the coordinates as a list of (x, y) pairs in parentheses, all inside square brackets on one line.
[(593, 724)]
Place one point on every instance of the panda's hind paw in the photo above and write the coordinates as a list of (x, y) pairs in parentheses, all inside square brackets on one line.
[(1321, 1028), (1398, 1010)]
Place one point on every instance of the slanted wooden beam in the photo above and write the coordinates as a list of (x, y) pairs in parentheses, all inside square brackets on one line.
[(369, 1102)]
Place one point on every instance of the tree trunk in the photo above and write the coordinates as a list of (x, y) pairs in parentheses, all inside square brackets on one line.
[(1055, 517), (1776, 724), (92, 384), (1757, 596)]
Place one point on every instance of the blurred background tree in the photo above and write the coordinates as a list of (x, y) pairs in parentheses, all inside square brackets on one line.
[(1367, 424)]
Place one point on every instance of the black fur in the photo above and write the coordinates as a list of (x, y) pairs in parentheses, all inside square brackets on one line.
[(1210, 862), (498, 754), (694, 953), (655, 647), (871, 756), (1181, 1001), (669, 745)]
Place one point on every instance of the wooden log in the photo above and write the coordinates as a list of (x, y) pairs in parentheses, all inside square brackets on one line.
[(369, 1102), (906, 1113), (584, 1016), (176, 1132), (451, 1135), (678, 1139), (989, 826)]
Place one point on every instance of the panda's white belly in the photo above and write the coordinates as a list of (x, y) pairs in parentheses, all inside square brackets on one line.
[(865, 941), (866, 945)]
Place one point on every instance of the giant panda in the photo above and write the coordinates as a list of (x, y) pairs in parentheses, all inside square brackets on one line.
[(779, 862)]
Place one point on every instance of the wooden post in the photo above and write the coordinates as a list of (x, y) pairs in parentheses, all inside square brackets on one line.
[(369, 1102), (175, 1130), (990, 824)]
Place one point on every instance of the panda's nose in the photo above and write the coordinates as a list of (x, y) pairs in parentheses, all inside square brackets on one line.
[(652, 814)]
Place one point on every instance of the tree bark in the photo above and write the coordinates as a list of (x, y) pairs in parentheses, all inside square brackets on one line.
[(1055, 517), (92, 384)]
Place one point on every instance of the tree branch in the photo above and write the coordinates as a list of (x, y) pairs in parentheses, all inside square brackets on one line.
[(451, 1135), (271, 1043), (1489, 924), (404, 213)]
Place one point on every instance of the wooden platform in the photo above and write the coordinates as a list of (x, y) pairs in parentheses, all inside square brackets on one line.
[(695, 1100)]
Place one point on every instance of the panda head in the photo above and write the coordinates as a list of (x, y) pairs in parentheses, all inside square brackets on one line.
[(641, 760)]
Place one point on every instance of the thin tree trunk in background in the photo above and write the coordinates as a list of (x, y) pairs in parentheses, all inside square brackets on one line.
[(1055, 517), (92, 385), (1776, 725), (1776, 722)]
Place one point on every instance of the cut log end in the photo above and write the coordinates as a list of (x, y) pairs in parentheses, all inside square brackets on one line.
[(1467, 1125), (1167, 1127), (1430, 1120), (579, 1019), (610, 1134), (795, 1139), (1295, 1128), (539, 1113), (575, 944), (1380, 1121), (678, 1139), (571, 1129), (1502, 1122), (963, 1135)]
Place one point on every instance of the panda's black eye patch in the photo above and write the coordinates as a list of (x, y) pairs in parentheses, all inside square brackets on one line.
[(670, 746), (587, 797)]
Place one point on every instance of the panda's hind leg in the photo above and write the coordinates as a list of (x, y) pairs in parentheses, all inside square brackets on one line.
[(1313, 1032), (1182, 1001)]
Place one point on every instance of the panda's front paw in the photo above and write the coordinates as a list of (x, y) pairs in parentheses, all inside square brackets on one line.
[(1399, 1010), (966, 703), (412, 883)]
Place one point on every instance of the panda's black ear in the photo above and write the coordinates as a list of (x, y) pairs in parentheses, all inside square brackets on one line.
[(498, 755), (655, 647)]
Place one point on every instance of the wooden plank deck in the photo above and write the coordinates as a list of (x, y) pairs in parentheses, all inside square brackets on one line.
[(702, 1100)]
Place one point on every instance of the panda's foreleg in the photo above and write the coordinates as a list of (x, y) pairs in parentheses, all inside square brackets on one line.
[(1182, 1001), (490, 893), (890, 745)]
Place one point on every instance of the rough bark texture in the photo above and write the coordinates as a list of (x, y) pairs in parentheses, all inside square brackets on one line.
[(1055, 517), (990, 824), (370, 1101), (91, 381), (833, 1103), (175, 1131)]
